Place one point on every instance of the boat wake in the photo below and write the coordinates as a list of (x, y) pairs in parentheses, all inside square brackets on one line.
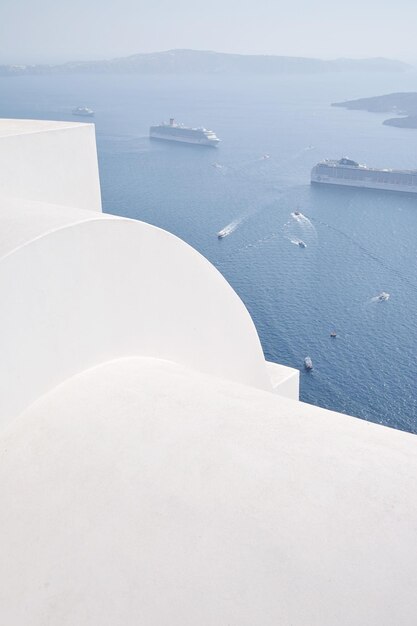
[(301, 219), (221, 169), (300, 152), (299, 242), (254, 166), (299, 229), (242, 168), (382, 297), (259, 159), (230, 228), (371, 255)]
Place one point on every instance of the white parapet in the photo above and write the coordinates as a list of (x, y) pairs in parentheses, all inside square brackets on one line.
[(53, 162)]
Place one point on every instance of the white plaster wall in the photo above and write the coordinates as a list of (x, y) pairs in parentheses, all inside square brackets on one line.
[(22, 221), (285, 380), (143, 493), (51, 162), (110, 287)]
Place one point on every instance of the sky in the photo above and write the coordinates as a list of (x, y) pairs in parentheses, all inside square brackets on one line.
[(53, 31)]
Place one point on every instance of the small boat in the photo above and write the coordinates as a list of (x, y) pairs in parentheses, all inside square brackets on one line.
[(266, 156), (383, 296), (302, 244), (333, 334), (216, 165), (297, 213), (221, 234), (308, 363), (83, 112)]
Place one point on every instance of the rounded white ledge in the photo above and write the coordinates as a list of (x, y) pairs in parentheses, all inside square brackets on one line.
[(105, 287)]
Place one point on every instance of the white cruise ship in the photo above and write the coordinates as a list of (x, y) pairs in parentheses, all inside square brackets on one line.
[(351, 174), (183, 134)]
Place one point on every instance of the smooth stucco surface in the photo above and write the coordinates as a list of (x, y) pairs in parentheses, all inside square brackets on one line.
[(52, 162), (141, 492), (103, 287), (23, 221), (14, 127)]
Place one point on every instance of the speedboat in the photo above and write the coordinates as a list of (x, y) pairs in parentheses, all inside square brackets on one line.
[(383, 296), (83, 112), (221, 234), (333, 334), (308, 363), (266, 156), (297, 213), (302, 244)]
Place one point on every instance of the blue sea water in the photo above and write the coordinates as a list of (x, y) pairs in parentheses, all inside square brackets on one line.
[(358, 243)]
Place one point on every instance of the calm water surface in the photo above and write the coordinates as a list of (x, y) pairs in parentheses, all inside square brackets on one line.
[(358, 243)]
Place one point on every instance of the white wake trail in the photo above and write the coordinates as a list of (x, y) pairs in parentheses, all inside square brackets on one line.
[(230, 228)]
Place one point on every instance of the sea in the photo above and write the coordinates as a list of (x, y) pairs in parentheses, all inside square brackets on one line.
[(273, 130)]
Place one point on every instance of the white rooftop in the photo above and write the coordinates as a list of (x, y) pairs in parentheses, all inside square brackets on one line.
[(9, 127), (154, 469), (143, 492)]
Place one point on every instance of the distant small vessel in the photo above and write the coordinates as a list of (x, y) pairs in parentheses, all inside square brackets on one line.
[(266, 156), (383, 296), (216, 165), (302, 244), (221, 234), (308, 363), (297, 213), (333, 334), (83, 112)]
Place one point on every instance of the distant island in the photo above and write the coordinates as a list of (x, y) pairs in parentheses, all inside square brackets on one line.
[(404, 105), (206, 62)]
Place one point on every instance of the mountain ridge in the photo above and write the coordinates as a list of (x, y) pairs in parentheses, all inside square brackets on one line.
[(185, 61)]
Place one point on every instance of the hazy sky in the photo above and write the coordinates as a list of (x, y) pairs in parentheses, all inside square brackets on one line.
[(60, 30)]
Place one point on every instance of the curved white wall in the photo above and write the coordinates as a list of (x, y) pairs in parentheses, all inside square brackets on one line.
[(140, 493), (110, 287), (22, 221)]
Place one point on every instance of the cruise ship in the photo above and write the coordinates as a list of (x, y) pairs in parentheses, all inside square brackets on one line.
[(183, 134), (351, 174)]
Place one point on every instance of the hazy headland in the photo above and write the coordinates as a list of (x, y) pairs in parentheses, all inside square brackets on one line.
[(208, 62), (403, 104)]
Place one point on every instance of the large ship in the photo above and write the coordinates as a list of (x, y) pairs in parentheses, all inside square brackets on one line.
[(351, 174), (178, 132)]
